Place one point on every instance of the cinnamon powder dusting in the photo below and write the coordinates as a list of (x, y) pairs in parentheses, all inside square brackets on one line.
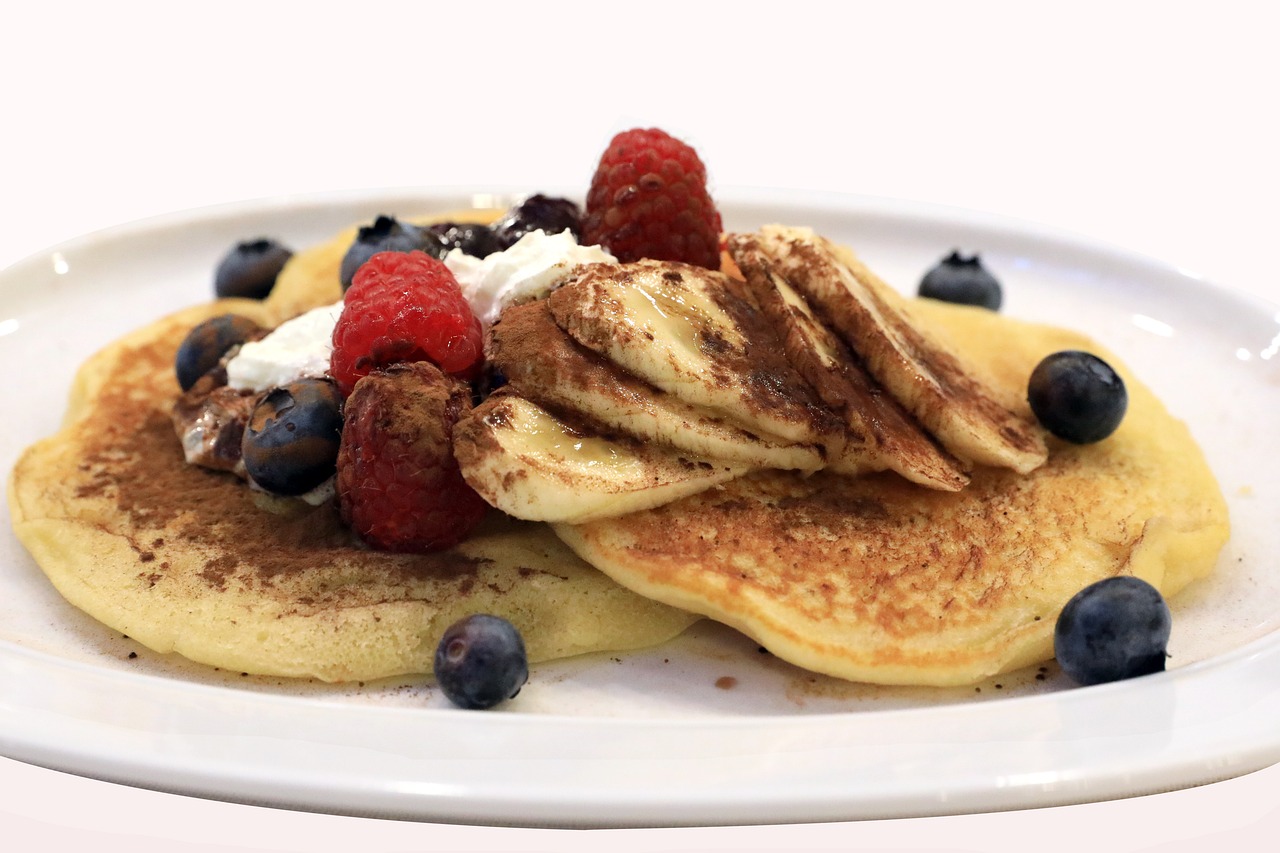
[(131, 457)]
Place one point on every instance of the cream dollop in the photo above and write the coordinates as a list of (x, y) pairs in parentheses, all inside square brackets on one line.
[(526, 270), (296, 349)]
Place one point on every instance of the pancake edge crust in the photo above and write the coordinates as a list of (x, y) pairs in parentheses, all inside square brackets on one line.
[(873, 580)]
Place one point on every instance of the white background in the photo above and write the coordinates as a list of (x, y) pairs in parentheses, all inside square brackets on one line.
[(1147, 125)]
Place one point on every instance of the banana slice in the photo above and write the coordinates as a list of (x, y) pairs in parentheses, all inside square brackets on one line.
[(925, 376), (545, 365), (532, 465), (693, 333), (882, 434)]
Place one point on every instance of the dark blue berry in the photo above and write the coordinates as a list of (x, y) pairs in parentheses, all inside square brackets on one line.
[(547, 213), (481, 661), (386, 234), (1077, 396), (250, 269), (489, 379), (475, 240), (290, 444), (1113, 629), (206, 344), (963, 280)]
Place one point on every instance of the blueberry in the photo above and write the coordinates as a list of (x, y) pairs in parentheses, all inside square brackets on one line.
[(205, 345), (250, 269), (489, 379), (1113, 629), (548, 213), (1077, 396), (481, 661), (290, 444), (386, 234), (476, 240), (963, 280)]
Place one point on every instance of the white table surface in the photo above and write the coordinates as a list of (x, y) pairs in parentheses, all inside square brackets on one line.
[(1148, 125)]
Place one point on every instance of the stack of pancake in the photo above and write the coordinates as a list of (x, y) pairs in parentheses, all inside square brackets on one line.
[(787, 446)]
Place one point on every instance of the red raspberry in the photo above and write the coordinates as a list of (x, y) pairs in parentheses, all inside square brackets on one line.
[(398, 484), (649, 199), (404, 306)]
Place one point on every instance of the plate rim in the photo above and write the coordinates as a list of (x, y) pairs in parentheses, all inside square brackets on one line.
[(829, 201)]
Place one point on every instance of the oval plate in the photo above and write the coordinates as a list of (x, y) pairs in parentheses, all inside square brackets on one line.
[(703, 730)]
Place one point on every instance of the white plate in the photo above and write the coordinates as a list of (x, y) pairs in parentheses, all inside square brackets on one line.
[(704, 730)]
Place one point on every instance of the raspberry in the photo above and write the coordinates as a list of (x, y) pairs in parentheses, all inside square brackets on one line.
[(404, 306), (398, 484), (648, 199)]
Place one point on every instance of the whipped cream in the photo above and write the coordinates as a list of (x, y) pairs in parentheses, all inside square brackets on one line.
[(296, 349), (526, 270)]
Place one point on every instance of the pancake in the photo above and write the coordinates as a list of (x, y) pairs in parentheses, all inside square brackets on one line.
[(875, 579), (192, 561)]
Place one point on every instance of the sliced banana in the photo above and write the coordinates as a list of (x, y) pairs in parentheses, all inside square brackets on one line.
[(916, 367), (530, 464), (693, 333), (882, 435), (545, 365)]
